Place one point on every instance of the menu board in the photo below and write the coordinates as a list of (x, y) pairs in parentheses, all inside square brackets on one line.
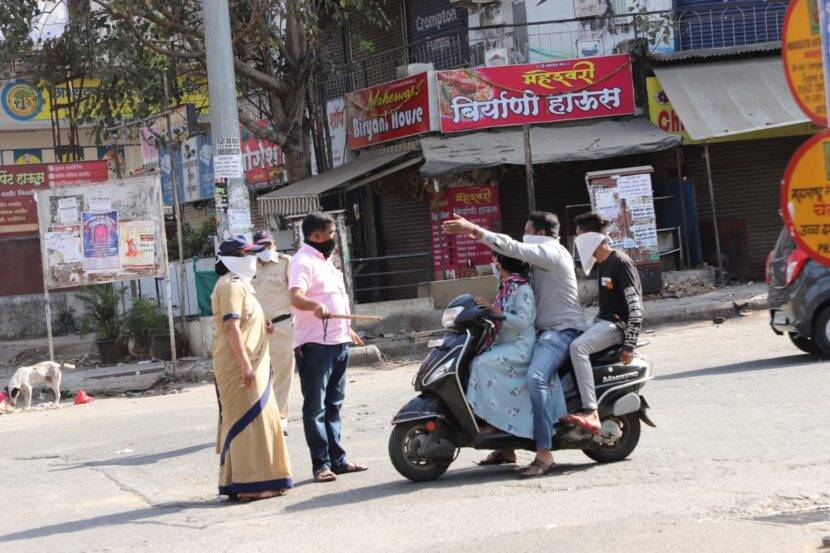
[(462, 256)]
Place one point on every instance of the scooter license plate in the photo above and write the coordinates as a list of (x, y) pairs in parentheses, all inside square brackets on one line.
[(435, 343)]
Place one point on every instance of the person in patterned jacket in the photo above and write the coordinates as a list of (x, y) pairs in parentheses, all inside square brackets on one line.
[(620, 311)]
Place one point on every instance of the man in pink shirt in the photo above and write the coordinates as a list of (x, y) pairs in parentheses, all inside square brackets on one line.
[(321, 345)]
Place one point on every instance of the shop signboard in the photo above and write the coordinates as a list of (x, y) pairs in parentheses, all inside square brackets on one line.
[(262, 160), (626, 200), (805, 197), (18, 183), (437, 33), (393, 110), (801, 53), (336, 118), (461, 256), (483, 97)]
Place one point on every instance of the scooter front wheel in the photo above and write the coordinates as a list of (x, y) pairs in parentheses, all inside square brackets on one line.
[(404, 442)]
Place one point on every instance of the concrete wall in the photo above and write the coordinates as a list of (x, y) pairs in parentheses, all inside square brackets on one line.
[(25, 316)]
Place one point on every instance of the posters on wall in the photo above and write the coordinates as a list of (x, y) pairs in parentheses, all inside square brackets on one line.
[(461, 256), (27, 156), (336, 116), (263, 161), (100, 241), (138, 242), (484, 97), (390, 111), (628, 203), (63, 244)]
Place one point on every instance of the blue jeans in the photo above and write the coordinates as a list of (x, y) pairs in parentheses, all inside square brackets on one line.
[(322, 371), (546, 395)]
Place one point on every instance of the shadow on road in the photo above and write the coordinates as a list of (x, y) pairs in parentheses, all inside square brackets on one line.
[(137, 516), (786, 361), (452, 479), (138, 460)]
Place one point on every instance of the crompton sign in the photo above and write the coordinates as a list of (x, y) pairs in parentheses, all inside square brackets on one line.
[(565, 90), (390, 111), (437, 33)]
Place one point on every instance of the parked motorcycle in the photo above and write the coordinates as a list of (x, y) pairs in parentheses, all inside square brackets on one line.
[(430, 430)]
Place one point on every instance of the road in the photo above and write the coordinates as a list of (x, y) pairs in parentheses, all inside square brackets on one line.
[(737, 463)]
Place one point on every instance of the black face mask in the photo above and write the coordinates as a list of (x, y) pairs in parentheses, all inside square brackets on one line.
[(324, 248)]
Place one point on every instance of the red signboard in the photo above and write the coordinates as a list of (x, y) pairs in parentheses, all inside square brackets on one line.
[(263, 159), (462, 256), (18, 212), (564, 90), (389, 111)]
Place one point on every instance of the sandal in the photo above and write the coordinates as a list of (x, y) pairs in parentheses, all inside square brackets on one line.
[(537, 468), (349, 468), (496, 458), (578, 420), (324, 475)]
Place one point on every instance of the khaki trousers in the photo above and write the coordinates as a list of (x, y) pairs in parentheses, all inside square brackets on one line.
[(281, 346)]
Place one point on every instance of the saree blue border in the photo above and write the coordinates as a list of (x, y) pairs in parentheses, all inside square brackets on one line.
[(243, 422)]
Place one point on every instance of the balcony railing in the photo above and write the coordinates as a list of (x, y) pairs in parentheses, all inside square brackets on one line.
[(715, 26)]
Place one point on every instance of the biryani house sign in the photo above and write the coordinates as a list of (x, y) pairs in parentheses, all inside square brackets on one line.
[(391, 111)]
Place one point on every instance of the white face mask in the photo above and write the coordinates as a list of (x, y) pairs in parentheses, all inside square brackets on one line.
[(587, 244), (267, 255), (243, 267), (536, 239)]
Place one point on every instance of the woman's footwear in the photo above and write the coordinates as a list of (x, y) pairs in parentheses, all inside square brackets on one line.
[(496, 458), (268, 494), (537, 468)]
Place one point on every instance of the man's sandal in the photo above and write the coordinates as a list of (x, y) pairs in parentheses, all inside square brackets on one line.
[(349, 468), (325, 475), (580, 421), (496, 458), (537, 468)]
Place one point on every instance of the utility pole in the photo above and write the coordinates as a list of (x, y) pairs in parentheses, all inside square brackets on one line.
[(233, 205)]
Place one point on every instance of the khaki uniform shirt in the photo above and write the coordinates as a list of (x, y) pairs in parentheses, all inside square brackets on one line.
[(271, 286)]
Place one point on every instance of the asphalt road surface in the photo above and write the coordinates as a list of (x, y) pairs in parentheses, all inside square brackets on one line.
[(739, 462)]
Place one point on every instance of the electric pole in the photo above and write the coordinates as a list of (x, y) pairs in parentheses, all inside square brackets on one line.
[(233, 205)]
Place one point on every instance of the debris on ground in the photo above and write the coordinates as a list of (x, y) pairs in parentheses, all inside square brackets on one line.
[(686, 288)]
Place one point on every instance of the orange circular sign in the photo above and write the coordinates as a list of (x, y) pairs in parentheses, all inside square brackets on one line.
[(805, 197), (803, 64)]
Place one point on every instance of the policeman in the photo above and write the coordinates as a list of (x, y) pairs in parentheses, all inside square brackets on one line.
[(271, 286)]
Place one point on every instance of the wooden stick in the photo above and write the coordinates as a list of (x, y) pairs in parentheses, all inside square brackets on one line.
[(368, 318)]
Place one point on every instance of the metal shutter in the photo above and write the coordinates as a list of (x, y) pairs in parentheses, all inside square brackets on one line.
[(747, 183), (405, 229)]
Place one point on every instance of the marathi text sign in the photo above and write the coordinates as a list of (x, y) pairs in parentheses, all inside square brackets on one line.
[(389, 111), (462, 256), (565, 90), (801, 54), (18, 183), (805, 197)]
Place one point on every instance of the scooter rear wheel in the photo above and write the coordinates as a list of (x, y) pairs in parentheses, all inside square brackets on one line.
[(622, 448), (402, 443)]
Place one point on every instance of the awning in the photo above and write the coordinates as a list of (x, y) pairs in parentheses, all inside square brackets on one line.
[(553, 144), (304, 196), (727, 98)]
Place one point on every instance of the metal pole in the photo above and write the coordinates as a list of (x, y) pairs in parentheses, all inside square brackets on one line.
[(714, 212), (48, 321), (531, 188), (684, 253), (169, 299), (224, 117), (177, 210)]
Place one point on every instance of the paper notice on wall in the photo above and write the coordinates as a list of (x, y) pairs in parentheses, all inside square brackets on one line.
[(634, 186), (227, 159), (239, 220), (138, 241), (68, 211), (100, 204), (606, 203), (100, 241), (644, 235), (642, 212), (63, 244)]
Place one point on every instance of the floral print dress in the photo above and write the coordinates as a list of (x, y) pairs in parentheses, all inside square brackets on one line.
[(497, 389)]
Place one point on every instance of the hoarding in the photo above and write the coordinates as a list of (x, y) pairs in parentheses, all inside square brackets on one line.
[(390, 111), (484, 97)]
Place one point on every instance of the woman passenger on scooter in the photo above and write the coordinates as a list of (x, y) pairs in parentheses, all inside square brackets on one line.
[(497, 389)]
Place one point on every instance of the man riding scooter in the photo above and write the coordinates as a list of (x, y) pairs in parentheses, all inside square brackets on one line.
[(559, 320), (620, 312)]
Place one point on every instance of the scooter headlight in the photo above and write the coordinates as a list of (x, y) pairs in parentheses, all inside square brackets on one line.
[(448, 320), (439, 371)]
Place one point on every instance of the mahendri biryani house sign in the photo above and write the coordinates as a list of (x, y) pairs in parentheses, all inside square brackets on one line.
[(390, 111)]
